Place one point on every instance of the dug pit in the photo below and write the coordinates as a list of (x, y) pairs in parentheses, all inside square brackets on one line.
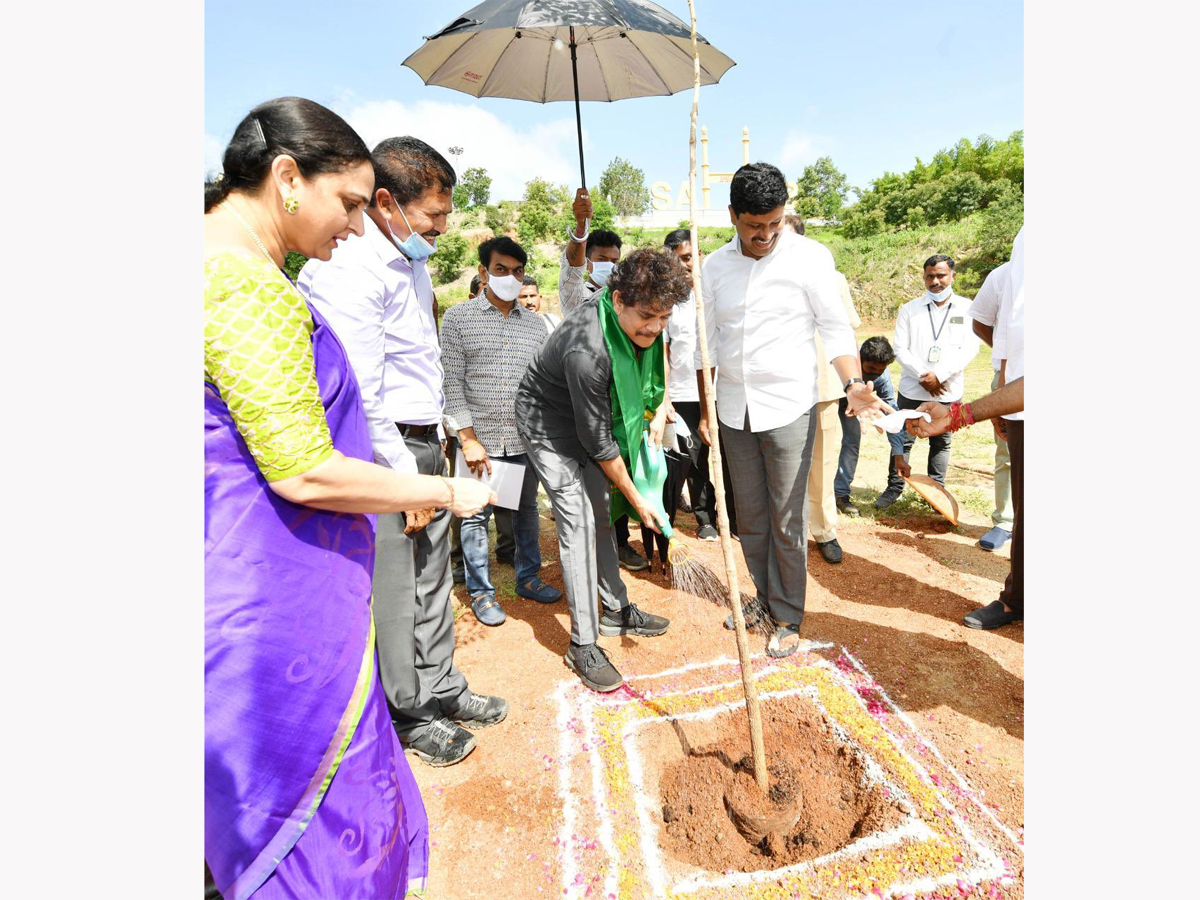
[(708, 793)]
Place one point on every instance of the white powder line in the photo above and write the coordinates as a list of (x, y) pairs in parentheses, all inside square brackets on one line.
[(805, 645), (564, 790), (599, 799), (913, 829), (703, 689), (711, 712), (903, 717), (982, 850), (648, 831)]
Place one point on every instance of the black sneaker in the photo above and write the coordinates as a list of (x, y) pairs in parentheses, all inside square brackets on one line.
[(753, 612), (830, 550), (478, 711), (888, 497), (846, 507), (631, 620), (442, 744), (591, 664), (631, 560), (994, 615), (708, 533)]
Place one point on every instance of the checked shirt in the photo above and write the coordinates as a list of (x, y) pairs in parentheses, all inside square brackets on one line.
[(484, 354)]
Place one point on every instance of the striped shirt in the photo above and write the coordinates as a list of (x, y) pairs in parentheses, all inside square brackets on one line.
[(484, 354)]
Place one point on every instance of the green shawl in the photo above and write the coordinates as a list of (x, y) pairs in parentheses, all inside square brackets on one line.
[(636, 392)]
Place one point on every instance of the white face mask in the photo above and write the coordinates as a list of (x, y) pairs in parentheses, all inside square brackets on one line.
[(938, 298), (506, 287), (600, 273)]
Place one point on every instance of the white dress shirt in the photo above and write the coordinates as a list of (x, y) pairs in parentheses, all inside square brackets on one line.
[(914, 340), (681, 336), (760, 316), (985, 308), (1009, 341), (380, 305)]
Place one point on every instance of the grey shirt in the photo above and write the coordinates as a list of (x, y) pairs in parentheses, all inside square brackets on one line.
[(563, 399)]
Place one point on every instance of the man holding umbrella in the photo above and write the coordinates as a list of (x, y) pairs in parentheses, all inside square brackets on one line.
[(582, 408)]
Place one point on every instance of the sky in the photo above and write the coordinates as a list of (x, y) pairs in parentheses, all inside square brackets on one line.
[(874, 84)]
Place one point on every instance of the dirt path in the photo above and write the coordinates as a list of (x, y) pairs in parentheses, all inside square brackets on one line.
[(551, 804)]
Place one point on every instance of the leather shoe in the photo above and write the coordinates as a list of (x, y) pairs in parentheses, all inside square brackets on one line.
[(538, 590), (831, 550), (488, 610)]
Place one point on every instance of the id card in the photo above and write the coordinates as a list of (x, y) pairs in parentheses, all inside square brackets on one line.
[(935, 353)]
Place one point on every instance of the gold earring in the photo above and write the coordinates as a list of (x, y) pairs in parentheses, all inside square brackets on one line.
[(291, 204)]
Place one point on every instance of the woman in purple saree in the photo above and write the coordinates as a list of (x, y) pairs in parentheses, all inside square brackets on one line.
[(307, 792)]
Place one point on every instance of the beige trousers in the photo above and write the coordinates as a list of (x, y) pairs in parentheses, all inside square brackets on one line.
[(827, 444)]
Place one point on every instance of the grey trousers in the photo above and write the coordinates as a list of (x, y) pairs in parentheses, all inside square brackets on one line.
[(769, 472), (414, 627), (587, 545)]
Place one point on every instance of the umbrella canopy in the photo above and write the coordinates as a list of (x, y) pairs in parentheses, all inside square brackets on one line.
[(520, 49)]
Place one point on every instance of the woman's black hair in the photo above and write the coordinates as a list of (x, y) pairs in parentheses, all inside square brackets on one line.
[(317, 138)]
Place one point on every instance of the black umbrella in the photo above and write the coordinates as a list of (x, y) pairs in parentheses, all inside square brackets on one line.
[(518, 49)]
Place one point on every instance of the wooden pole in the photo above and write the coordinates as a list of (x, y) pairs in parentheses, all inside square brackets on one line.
[(735, 597)]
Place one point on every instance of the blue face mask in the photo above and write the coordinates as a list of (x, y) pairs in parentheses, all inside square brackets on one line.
[(416, 248)]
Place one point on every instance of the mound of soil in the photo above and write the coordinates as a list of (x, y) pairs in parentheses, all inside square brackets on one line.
[(807, 766)]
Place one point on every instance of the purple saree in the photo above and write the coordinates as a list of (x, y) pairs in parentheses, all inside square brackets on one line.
[(307, 792)]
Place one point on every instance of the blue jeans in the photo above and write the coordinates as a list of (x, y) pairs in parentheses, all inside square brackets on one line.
[(527, 557), (852, 436)]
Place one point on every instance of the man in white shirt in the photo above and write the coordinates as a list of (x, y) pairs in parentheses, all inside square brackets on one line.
[(767, 293), (827, 440), (681, 380), (376, 294), (933, 344), (1007, 401), (984, 311)]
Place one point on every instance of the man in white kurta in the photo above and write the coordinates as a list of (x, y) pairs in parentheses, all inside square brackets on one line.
[(767, 293)]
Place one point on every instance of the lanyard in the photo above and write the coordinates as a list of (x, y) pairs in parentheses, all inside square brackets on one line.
[(937, 332)]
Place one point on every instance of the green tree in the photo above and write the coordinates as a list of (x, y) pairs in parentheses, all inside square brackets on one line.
[(478, 185), (821, 190), (625, 186), (460, 196), (499, 218), (604, 214), (293, 263), (451, 256)]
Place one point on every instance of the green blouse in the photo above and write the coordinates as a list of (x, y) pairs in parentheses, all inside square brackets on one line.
[(258, 355)]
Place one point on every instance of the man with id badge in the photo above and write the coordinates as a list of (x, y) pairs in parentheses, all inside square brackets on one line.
[(934, 343)]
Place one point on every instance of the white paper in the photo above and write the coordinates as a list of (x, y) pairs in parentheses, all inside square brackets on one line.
[(894, 422), (506, 479)]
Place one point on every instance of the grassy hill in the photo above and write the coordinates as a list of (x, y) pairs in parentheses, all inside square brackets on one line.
[(884, 270)]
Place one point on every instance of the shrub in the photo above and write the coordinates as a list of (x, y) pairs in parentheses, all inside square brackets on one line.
[(863, 224), (450, 258)]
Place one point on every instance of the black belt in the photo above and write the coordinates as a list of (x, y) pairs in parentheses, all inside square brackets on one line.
[(416, 430)]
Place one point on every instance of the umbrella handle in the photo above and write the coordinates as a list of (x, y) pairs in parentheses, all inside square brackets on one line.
[(578, 119)]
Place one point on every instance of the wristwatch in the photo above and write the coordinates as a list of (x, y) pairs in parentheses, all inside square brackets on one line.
[(846, 386)]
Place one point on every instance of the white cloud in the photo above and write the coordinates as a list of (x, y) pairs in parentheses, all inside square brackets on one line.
[(214, 153), (512, 154)]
